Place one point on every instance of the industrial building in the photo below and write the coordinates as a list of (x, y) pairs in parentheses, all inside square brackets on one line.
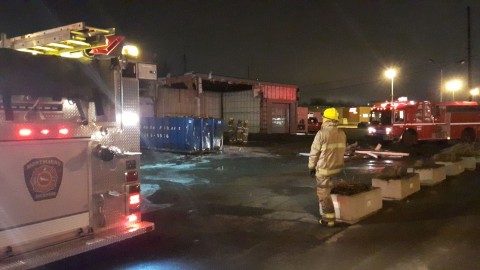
[(268, 108)]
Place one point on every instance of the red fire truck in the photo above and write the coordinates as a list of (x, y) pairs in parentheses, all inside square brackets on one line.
[(410, 121), (70, 144)]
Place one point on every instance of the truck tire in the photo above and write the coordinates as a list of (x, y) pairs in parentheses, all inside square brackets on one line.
[(409, 138), (468, 135)]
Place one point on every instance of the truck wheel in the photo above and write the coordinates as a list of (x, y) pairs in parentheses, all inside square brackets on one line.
[(468, 135), (409, 138)]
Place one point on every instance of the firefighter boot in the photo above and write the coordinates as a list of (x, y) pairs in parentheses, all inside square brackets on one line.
[(328, 220)]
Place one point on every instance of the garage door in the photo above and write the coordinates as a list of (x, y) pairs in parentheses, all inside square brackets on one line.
[(280, 118)]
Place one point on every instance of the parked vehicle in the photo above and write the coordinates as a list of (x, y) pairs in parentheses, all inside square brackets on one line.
[(410, 121), (313, 125)]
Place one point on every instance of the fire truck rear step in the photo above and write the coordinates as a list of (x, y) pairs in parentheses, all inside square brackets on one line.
[(74, 247)]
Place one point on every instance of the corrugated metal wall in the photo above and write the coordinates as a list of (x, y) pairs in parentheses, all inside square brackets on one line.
[(175, 102), (211, 104), (242, 105), (184, 102)]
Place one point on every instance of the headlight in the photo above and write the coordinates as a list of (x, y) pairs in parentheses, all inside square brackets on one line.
[(388, 130), (371, 130)]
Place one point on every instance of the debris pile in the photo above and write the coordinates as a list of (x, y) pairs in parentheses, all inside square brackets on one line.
[(453, 153), (393, 172), (425, 164)]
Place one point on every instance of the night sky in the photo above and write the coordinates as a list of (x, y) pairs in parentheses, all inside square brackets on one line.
[(334, 50)]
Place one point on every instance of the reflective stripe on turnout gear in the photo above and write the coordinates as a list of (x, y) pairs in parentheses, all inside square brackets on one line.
[(333, 146), (329, 215), (328, 171)]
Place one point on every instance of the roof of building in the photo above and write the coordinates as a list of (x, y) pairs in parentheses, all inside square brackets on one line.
[(212, 82)]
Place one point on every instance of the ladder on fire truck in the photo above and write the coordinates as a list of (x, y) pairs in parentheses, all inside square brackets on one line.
[(75, 40)]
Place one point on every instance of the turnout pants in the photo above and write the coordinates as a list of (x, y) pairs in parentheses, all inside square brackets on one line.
[(324, 187)]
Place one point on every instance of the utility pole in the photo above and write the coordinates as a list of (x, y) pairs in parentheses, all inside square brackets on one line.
[(469, 53), (184, 63)]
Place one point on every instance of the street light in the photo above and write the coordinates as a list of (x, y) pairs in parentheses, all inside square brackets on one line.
[(474, 92), (391, 73), (453, 85)]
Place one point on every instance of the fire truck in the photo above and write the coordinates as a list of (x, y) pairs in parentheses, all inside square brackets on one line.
[(70, 144), (409, 121)]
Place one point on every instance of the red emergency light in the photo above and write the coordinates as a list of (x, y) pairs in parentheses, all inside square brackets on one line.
[(132, 218), (32, 132), (24, 132), (63, 131), (134, 199), (131, 176)]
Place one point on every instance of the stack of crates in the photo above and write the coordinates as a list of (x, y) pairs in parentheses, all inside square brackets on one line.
[(182, 134)]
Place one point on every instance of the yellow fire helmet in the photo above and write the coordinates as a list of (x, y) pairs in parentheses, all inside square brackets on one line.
[(331, 113)]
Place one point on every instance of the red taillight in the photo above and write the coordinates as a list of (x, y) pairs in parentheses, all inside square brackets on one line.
[(63, 131), (131, 176), (25, 132), (45, 131), (132, 218), (134, 199)]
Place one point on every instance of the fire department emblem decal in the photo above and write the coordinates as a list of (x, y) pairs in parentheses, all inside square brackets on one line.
[(43, 177)]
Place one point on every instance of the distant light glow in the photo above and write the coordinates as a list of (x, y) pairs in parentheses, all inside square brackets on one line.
[(390, 73), (371, 130), (474, 92), (45, 131), (388, 130), (453, 85)]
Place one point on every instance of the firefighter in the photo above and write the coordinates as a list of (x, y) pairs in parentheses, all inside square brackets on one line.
[(239, 137), (245, 131), (326, 162), (230, 131)]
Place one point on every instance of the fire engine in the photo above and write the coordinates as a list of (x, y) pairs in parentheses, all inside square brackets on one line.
[(70, 142), (410, 121)]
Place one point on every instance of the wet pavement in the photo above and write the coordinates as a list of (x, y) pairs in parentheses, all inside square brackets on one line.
[(254, 207)]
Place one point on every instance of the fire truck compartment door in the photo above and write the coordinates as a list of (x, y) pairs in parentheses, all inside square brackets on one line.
[(43, 188)]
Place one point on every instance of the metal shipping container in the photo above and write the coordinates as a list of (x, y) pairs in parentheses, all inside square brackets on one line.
[(182, 134)]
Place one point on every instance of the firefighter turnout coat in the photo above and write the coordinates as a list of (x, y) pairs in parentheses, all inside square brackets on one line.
[(328, 149)]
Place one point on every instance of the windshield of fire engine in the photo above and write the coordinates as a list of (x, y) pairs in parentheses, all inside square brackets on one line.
[(383, 117)]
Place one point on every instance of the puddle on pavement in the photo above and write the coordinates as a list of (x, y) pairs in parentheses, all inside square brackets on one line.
[(236, 210), (292, 191)]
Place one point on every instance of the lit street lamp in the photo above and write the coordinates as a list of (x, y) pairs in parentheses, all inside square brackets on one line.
[(391, 73), (474, 92), (453, 85)]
